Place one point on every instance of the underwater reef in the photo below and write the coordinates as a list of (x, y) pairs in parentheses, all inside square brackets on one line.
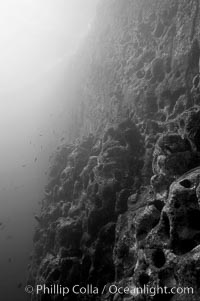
[(122, 203)]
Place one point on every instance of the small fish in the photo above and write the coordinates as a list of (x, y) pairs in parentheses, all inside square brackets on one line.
[(38, 219), (24, 165), (19, 285), (35, 159), (9, 259), (62, 139)]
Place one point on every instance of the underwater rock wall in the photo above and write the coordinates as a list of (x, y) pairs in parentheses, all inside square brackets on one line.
[(122, 205)]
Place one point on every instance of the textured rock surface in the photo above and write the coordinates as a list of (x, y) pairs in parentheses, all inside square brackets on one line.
[(123, 204)]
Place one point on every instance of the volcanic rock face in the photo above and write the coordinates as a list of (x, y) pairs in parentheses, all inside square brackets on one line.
[(122, 206)]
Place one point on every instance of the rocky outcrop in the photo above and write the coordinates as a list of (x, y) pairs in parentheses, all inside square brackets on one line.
[(79, 214), (122, 204)]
